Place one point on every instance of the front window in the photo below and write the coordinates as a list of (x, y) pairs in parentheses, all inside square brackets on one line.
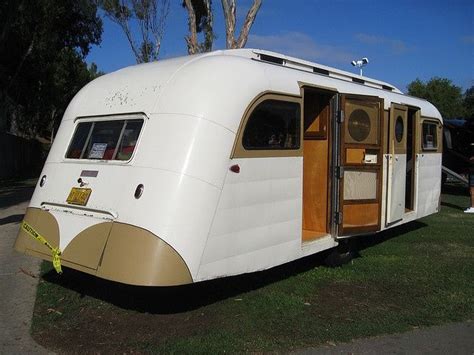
[(105, 140)]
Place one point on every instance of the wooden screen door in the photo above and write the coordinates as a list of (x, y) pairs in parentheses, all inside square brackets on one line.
[(360, 122), (397, 163)]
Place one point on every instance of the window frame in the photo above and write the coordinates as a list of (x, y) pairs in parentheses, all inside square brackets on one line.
[(437, 126), (239, 151), (127, 117)]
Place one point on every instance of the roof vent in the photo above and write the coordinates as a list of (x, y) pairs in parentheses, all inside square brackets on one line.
[(271, 59), (320, 71), (359, 81)]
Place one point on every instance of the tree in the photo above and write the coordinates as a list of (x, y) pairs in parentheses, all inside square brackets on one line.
[(200, 20), (37, 37), (228, 7), (469, 103), (149, 16), (442, 93)]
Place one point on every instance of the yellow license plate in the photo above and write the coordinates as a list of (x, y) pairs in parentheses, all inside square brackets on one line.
[(79, 196)]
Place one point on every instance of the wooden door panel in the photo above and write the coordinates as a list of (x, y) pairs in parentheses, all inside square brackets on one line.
[(361, 148), (397, 163)]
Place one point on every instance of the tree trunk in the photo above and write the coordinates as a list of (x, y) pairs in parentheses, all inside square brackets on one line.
[(228, 6), (229, 15), (209, 29), (191, 39), (249, 20)]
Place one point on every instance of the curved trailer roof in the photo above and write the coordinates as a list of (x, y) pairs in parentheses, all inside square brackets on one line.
[(189, 85)]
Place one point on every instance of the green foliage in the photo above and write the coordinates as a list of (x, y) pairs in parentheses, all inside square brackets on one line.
[(149, 16), (42, 48), (442, 93), (469, 103)]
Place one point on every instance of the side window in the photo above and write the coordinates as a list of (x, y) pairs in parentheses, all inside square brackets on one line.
[(273, 125), (430, 138)]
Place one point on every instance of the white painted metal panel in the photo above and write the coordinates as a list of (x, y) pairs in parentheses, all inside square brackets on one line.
[(187, 145), (258, 220), (132, 89), (428, 183), (396, 187), (218, 88)]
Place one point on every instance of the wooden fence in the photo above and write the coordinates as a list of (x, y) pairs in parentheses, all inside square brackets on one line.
[(20, 157)]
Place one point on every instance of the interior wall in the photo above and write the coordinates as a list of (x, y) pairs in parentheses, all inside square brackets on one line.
[(315, 181), (315, 164)]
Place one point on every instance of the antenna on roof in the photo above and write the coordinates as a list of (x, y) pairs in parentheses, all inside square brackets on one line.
[(360, 63)]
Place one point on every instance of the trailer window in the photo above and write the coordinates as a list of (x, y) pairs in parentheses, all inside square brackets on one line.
[(273, 125), (105, 140), (430, 139)]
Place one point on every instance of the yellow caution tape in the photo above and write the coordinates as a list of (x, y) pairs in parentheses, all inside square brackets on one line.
[(55, 252)]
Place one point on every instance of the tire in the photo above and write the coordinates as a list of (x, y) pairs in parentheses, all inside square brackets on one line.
[(342, 254)]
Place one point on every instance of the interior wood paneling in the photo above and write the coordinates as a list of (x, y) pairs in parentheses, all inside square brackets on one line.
[(315, 164), (358, 215), (315, 182), (355, 155), (312, 235), (316, 115)]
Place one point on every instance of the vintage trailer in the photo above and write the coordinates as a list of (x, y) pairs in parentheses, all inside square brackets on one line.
[(229, 162)]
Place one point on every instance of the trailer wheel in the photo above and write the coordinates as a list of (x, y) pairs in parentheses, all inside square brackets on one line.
[(342, 254)]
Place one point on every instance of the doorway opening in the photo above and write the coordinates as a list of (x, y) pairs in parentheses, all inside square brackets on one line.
[(316, 153), (410, 176)]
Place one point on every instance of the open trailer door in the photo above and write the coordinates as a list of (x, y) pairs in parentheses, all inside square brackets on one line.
[(397, 163), (357, 164)]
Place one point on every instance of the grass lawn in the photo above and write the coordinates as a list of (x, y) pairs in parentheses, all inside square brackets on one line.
[(417, 275)]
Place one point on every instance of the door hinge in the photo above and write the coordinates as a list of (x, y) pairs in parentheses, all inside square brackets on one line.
[(339, 172), (340, 116), (338, 217)]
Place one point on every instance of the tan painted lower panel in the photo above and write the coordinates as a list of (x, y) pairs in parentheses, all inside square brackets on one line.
[(87, 247), (129, 254), (136, 256), (45, 224)]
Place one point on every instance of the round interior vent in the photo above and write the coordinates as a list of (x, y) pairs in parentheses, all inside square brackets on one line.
[(359, 125)]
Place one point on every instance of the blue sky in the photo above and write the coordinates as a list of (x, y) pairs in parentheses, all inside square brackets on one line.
[(403, 40)]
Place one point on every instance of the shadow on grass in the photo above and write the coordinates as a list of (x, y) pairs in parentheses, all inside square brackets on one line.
[(455, 189), (367, 241), (177, 299), (452, 205)]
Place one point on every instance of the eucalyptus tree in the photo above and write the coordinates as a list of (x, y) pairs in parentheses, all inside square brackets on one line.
[(200, 19), (142, 21)]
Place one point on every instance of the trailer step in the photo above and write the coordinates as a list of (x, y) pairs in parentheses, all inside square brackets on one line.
[(455, 176)]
